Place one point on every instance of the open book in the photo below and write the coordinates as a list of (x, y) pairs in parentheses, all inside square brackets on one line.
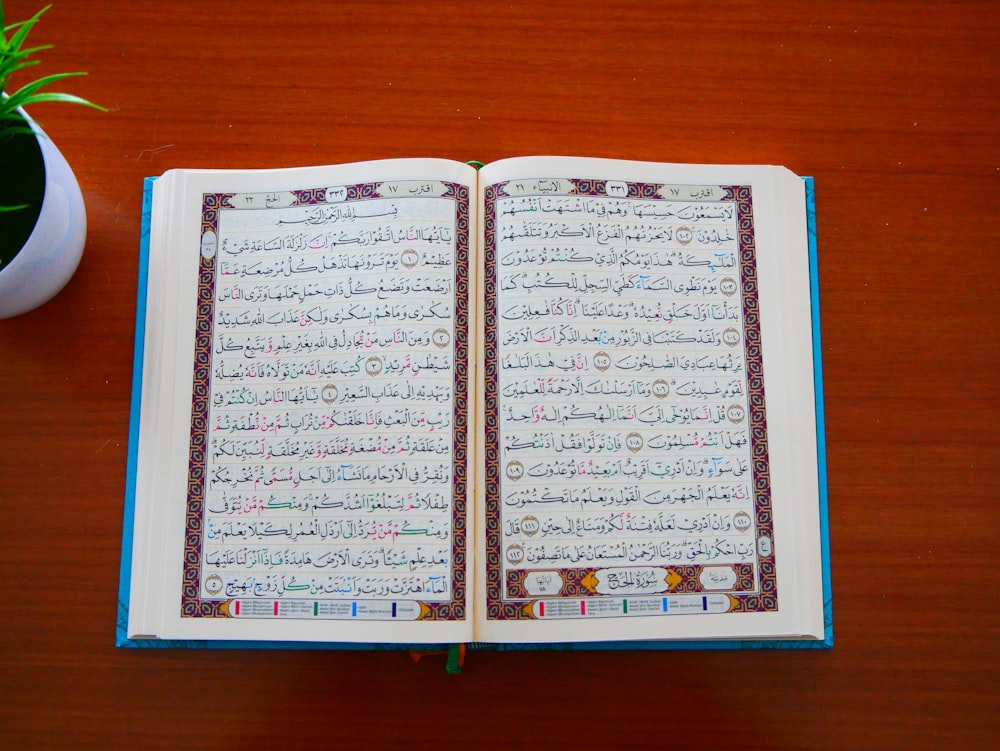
[(406, 402)]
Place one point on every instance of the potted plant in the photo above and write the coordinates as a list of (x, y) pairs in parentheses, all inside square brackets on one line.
[(43, 224)]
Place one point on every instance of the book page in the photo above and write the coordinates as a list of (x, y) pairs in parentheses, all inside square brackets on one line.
[(313, 416), (647, 469)]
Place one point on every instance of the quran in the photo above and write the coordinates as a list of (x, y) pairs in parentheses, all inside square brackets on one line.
[(564, 401)]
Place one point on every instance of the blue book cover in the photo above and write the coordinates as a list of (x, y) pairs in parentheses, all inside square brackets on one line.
[(122, 639)]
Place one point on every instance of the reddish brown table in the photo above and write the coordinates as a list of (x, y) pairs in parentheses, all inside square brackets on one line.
[(893, 108)]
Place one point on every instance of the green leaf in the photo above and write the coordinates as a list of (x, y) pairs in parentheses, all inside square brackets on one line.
[(25, 53), (59, 97), (26, 93), (8, 131), (14, 57), (22, 29), (5, 72)]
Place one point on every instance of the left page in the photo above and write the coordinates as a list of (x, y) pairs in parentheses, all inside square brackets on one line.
[(303, 442)]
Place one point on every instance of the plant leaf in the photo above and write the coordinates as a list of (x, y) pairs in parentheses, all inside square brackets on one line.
[(22, 29), (27, 92), (16, 130), (59, 97), (25, 53), (14, 56), (7, 71)]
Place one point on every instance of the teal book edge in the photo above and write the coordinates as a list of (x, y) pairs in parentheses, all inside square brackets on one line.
[(124, 583)]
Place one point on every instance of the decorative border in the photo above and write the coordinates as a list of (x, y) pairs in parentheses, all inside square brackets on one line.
[(212, 203), (765, 597)]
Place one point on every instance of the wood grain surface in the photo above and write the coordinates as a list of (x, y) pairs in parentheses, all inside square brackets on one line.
[(892, 107)]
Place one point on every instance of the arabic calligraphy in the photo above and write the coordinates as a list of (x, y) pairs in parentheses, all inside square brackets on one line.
[(621, 381), (329, 452)]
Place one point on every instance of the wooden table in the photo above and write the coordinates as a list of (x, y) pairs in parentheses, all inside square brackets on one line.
[(892, 107)]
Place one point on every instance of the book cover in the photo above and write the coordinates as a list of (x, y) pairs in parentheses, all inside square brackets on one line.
[(123, 641)]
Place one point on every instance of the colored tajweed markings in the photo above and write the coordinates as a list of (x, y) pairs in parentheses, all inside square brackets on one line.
[(315, 608), (624, 607), (541, 610), (275, 607), (665, 605), (583, 607), (354, 610)]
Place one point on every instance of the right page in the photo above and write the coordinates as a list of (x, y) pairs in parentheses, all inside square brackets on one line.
[(649, 410)]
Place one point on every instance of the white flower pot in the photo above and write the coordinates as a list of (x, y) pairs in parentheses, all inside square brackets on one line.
[(50, 255)]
